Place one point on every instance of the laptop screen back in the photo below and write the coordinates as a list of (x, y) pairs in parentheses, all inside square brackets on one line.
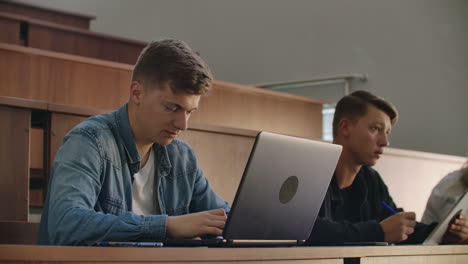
[(282, 188)]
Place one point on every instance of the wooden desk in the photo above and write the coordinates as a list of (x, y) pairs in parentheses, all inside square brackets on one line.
[(209, 142), (14, 163), (45, 35), (11, 29), (47, 14), (89, 83), (329, 255), (18, 232)]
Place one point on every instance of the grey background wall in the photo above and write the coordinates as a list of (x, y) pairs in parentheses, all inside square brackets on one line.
[(415, 52)]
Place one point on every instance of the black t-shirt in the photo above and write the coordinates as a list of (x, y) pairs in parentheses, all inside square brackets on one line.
[(349, 209)]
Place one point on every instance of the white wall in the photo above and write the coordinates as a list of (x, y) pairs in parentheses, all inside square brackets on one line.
[(411, 175), (414, 51)]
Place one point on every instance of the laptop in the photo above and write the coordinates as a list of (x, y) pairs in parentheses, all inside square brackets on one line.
[(436, 236), (280, 193)]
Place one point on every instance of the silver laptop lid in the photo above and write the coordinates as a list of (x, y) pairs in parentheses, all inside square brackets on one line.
[(282, 188)]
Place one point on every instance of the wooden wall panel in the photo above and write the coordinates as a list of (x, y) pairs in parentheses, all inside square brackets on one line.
[(36, 154), (17, 232), (47, 14), (10, 31), (127, 52), (14, 164), (222, 158), (62, 81), (254, 109), (87, 85), (69, 40), (88, 44), (76, 81), (24, 76)]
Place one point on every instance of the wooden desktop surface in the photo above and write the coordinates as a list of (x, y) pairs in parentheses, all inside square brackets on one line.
[(389, 254)]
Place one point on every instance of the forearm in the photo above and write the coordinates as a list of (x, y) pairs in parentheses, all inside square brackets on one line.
[(205, 198), (334, 232), (86, 227)]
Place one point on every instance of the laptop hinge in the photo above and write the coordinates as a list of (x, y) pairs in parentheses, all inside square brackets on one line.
[(247, 242)]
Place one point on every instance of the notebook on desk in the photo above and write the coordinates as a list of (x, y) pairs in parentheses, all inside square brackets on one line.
[(280, 193)]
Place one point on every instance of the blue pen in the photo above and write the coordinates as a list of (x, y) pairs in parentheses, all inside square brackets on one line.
[(129, 244), (388, 207)]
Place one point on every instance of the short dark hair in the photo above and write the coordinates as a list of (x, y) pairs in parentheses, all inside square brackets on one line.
[(355, 105), (171, 60)]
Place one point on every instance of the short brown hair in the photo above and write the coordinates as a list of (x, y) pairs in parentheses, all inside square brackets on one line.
[(174, 61), (355, 105)]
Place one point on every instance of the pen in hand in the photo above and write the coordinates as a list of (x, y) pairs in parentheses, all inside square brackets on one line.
[(388, 208)]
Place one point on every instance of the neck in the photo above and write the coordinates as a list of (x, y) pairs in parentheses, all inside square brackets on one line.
[(143, 151), (346, 170)]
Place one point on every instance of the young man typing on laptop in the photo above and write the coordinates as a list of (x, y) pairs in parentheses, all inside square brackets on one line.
[(358, 206), (124, 176)]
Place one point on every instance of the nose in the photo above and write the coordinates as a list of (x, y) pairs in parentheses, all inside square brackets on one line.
[(181, 121), (383, 141)]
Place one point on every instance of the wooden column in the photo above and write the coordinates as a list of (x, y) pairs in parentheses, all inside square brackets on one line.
[(14, 163)]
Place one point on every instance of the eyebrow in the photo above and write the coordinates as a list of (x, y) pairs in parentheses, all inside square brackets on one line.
[(382, 123), (180, 106)]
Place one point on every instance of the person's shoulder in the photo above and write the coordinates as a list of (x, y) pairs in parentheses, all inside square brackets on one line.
[(181, 155), (180, 147), (94, 127), (96, 131), (451, 179), (371, 175), (96, 123), (454, 176)]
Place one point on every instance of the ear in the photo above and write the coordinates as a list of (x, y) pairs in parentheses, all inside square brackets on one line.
[(136, 92), (344, 127)]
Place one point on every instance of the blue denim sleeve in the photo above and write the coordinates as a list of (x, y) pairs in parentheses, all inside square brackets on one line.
[(74, 189), (204, 198)]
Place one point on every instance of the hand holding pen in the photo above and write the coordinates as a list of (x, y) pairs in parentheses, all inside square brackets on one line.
[(399, 226)]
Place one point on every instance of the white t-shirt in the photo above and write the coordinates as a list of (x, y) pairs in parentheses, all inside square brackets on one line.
[(444, 196), (143, 200)]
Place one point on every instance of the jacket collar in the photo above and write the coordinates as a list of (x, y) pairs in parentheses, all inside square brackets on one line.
[(125, 131), (162, 160)]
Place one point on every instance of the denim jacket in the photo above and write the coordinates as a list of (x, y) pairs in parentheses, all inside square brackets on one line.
[(90, 190)]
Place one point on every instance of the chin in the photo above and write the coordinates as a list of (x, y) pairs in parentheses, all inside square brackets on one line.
[(371, 163), (164, 141)]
